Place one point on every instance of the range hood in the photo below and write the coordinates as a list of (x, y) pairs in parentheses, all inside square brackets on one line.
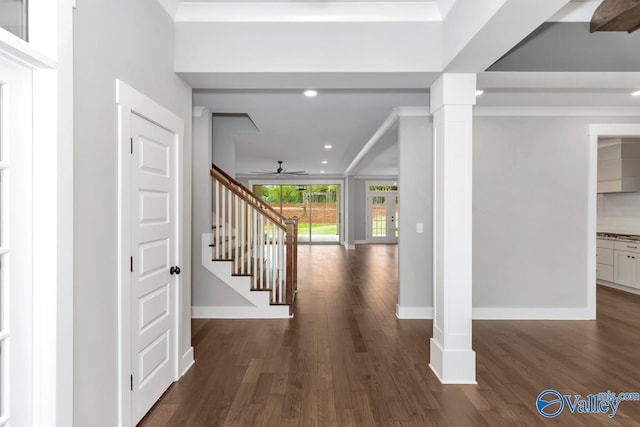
[(619, 165)]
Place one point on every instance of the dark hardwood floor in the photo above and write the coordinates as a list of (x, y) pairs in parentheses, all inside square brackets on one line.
[(345, 360)]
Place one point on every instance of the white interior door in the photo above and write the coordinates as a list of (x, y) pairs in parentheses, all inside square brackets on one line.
[(154, 247), (382, 217)]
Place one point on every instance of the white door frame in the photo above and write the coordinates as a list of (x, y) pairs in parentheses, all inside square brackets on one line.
[(596, 131), (369, 195), (131, 101)]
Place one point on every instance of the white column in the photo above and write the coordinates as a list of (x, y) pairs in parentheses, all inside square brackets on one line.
[(348, 212), (452, 98)]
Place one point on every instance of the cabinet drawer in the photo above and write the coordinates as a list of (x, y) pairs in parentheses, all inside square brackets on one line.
[(604, 256), (627, 246), (606, 244), (604, 272)]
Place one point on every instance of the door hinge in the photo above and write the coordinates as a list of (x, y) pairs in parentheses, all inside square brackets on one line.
[(131, 264), (131, 382), (131, 145)]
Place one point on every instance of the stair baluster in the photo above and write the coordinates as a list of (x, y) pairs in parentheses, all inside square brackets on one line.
[(258, 240)]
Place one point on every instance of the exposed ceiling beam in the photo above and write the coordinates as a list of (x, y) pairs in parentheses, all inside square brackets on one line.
[(616, 15)]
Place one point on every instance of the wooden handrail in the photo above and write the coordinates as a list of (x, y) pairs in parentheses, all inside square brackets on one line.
[(268, 254), (277, 221), (239, 184)]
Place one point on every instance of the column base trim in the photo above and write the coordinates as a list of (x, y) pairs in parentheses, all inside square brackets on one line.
[(452, 366)]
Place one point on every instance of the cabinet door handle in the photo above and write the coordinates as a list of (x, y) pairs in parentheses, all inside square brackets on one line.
[(632, 247)]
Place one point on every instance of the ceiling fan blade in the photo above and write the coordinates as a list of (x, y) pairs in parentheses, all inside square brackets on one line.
[(263, 173), (295, 173)]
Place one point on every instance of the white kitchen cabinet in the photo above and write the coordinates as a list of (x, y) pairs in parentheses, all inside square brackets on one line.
[(627, 268), (619, 165), (604, 260)]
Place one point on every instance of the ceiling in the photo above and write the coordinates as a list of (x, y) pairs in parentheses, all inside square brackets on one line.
[(558, 64), (294, 128)]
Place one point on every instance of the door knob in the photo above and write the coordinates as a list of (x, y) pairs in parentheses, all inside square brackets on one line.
[(174, 270)]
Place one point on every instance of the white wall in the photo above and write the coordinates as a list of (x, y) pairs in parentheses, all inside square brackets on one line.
[(530, 230), (415, 193), (132, 41), (619, 213), (348, 212), (307, 47), (360, 209), (209, 290)]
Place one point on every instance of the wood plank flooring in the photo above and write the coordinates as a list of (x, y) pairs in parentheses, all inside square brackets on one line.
[(345, 360)]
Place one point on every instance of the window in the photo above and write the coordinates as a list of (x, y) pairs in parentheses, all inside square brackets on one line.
[(13, 17)]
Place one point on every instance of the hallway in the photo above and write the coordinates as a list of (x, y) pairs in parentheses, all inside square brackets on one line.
[(345, 360)]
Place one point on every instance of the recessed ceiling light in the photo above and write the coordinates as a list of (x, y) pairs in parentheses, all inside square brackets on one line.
[(310, 93), (328, 147), (479, 92), (636, 93), (324, 162), (321, 171)]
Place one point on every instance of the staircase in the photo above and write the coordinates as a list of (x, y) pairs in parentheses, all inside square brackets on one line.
[(252, 247)]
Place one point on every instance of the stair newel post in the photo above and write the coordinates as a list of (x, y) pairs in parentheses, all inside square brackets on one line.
[(261, 248), (291, 251), (230, 221), (218, 224), (280, 275), (240, 231)]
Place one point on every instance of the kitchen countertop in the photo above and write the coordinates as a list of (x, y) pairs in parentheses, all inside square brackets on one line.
[(616, 236)]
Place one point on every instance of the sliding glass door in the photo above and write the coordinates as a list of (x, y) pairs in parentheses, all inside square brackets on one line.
[(317, 207)]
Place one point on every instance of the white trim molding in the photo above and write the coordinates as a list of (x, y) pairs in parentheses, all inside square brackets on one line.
[(596, 131), (187, 361), (129, 101), (554, 111), (21, 52), (309, 11), (404, 312), (387, 125), (240, 312), (537, 313)]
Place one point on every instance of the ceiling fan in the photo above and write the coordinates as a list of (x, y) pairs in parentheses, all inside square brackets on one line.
[(279, 171)]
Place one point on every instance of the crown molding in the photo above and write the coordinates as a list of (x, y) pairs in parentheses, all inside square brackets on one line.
[(546, 111), (312, 11)]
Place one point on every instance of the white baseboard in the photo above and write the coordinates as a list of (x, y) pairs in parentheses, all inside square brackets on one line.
[(502, 313), (414, 312), (348, 246), (619, 287), (187, 360), (242, 312), (361, 242)]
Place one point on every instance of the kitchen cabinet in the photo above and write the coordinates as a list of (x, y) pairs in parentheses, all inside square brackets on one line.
[(604, 260), (619, 165), (627, 269), (618, 259)]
